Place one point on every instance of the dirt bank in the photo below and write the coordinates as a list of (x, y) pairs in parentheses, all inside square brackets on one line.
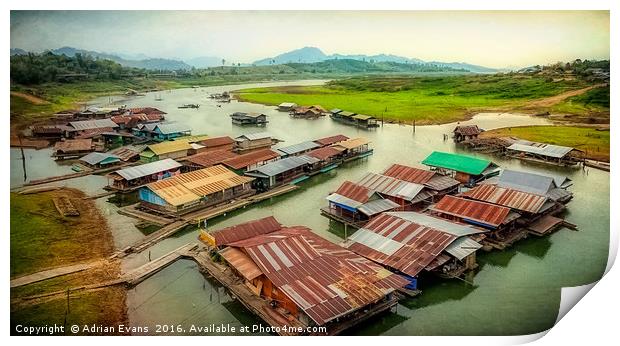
[(42, 239)]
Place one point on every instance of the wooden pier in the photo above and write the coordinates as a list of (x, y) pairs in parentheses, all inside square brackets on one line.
[(135, 212), (206, 214), (143, 272), (151, 239), (78, 174)]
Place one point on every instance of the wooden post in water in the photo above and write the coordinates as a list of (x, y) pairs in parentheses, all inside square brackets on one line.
[(413, 124), (21, 148)]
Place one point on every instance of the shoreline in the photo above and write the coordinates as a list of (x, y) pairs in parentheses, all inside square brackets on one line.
[(91, 241)]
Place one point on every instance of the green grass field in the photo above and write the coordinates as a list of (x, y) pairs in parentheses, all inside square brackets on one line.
[(41, 238), (593, 101), (594, 143), (427, 100)]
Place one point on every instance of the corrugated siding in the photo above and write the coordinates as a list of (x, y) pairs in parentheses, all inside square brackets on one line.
[(331, 140), (354, 191), (410, 174), (485, 213), (391, 186), (325, 280), (507, 197), (246, 230), (399, 244)]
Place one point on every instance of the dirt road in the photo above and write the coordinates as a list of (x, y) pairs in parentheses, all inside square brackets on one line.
[(553, 100), (30, 98)]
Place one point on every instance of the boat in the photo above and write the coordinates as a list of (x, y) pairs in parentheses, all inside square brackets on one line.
[(76, 168), (190, 105)]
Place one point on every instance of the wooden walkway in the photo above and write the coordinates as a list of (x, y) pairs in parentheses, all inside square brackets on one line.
[(201, 215), (152, 239), (133, 211), (141, 273), (52, 273), (78, 174)]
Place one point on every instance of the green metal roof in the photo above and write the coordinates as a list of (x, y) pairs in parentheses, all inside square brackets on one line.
[(459, 163)]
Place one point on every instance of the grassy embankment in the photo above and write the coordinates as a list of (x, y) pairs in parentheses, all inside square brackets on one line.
[(594, 143), (428, 100), (42, 239), (593, 102)]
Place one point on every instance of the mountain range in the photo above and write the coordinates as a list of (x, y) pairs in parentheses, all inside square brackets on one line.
[(302, 55), (313, 54)]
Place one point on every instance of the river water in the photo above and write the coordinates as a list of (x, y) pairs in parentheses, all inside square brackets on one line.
[(516, 291)]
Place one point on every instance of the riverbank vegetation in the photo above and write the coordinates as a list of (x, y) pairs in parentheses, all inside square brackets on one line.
[(430, 99), (42, 239), (593, 142)]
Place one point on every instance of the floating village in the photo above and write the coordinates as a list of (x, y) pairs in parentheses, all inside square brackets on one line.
[(402, 225)]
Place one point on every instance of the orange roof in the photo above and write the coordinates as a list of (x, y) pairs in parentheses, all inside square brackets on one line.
[(354, 191), (211, 158), (487, 213), (410, 174)]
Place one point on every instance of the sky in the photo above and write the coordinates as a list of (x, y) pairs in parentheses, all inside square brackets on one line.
[(494, 39)]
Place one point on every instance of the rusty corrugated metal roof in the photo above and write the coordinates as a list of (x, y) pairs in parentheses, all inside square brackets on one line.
[(211, 158), (514, 199), (399, 243), (245, 160), (246, 230), (391, 186), (354, 191), (410, 174), (486, 213), (331, 140), (217, 141), (323, 279), (324, 153), (240, 261)]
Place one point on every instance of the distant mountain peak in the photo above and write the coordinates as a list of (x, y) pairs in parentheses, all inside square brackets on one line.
[(310, 54)]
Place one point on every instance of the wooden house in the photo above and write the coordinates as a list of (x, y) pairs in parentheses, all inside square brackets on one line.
[(241, 118), (281, 171), (165, 150), (249, 161), (465, 132), (72, 148), (354, 204), (130, 178), (253, 141), (185, 192), (303, 279), (286, 106)]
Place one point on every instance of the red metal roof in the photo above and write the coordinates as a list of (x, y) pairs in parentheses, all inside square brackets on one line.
[(211, 158), (331, 140), (324, 153), (399, 244), (354, 191), (507, 197), (217, 141), (246, 230), (245, 160), (410, 174), (487, 213), (323, 279)]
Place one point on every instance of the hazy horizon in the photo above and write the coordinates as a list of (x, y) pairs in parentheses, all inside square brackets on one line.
[(496, 39)]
